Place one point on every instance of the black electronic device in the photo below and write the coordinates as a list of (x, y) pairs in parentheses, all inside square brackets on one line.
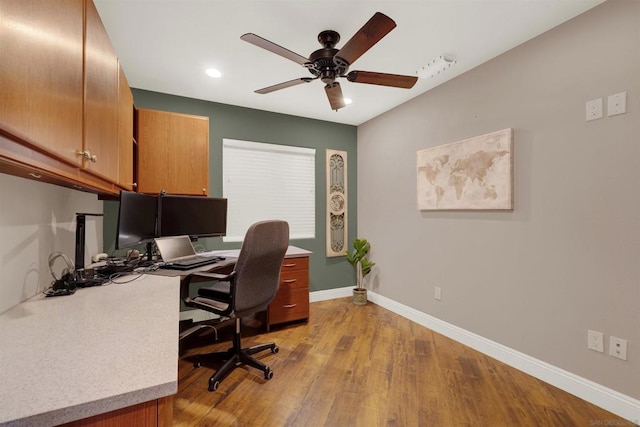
[(81, 223), (137, 217), (192, 216)]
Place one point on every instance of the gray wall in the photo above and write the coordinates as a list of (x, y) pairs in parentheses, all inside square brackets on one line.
[(226, 121), (567, 259)]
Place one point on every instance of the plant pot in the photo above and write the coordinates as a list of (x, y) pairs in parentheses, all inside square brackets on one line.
[(359, 296)]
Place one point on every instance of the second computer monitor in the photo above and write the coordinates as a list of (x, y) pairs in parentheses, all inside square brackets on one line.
[(192, 216)]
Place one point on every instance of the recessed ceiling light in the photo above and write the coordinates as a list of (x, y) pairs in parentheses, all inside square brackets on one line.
[(212, 72), (347, 101)]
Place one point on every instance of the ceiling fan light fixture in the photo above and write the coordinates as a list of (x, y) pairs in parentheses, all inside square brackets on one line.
[(212, 72), (435, 67)]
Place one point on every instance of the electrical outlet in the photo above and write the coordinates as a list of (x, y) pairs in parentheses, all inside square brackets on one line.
[(594, 109), (617, 104), (618, 348), (595, 341), (438, 293)]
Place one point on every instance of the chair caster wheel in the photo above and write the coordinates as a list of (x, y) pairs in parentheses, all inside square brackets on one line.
[(214, 386), (268, 374), (275, 349)]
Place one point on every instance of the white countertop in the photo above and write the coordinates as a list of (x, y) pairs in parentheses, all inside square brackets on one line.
[(231, 256), (292, 252), (101, 349)]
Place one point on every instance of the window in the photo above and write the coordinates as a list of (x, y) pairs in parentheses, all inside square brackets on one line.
[(268, 181)]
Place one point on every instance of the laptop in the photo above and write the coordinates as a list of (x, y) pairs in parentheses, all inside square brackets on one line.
[(178, 253)]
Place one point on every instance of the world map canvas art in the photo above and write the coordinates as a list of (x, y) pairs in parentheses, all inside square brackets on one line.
[(475, 173)]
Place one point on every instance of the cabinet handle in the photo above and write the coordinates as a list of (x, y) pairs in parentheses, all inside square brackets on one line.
[(35, 175), (204, 191), (289, 305), (288, 281), (134, 185), (288, 265), (87, 155)]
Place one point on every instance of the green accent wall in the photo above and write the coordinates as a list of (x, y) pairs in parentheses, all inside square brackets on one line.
[(227, 121)]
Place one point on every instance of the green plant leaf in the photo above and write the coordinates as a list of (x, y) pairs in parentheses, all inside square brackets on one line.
[(366, 266)]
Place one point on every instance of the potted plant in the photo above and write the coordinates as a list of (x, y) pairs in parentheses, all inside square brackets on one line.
[(357, 257)]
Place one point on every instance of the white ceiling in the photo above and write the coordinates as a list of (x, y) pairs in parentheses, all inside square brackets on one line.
[(165, 45)]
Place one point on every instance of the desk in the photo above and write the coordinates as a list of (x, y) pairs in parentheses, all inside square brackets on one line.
[(99, 350), (292, 300)]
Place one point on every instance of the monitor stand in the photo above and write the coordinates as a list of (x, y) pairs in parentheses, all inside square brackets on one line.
[(79, 277)]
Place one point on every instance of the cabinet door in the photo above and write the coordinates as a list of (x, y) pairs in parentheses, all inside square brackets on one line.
[(41, 75), (125, 132), (101, 99), (173, 153)]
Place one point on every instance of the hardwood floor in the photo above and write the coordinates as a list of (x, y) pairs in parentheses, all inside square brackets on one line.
[(366, 366)]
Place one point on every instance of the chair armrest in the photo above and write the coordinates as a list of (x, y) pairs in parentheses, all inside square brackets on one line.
[(184, 286)]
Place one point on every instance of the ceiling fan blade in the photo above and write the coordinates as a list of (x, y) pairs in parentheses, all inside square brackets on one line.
[(334, 93), (272, 47), (382, 79), (371, 33), (284, 85)]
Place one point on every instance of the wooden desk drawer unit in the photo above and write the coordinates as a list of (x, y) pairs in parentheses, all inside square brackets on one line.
[(292, 300)]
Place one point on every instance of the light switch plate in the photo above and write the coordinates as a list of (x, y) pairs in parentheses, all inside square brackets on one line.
[(617, 104), (594, 109)]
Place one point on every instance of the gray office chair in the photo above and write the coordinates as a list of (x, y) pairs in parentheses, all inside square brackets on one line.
[(250, 288)]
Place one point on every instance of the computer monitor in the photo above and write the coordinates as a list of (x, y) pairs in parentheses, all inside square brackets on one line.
[(192, 216), (137, 217)]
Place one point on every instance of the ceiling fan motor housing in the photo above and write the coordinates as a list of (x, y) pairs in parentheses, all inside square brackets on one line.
[(321, 62)]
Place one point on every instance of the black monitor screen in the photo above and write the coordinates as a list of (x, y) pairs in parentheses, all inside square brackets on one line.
[(136, 219), (192, 216)]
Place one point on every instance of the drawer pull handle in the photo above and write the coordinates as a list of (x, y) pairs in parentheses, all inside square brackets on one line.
[(289, 281), (289, 305), (289, 265)]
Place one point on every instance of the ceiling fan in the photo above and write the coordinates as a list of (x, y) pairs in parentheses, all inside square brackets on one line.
[(329, 63)]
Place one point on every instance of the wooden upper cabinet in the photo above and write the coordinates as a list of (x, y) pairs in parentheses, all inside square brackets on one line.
[(101, 99), (41, 45), (173, 153), (125, 133)]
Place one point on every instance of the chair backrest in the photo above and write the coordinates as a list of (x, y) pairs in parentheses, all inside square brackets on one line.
[(258, 266)]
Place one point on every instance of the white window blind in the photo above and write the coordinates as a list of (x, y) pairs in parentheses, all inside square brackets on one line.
[(268, 181)]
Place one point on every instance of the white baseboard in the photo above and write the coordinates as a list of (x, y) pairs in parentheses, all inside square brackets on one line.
[(330, 294), (606, 398)]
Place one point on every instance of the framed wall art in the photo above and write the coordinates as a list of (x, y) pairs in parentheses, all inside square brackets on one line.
[(336, 162), (475, 173)]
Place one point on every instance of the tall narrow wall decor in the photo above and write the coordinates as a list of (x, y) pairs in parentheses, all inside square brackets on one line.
[(336, 162)]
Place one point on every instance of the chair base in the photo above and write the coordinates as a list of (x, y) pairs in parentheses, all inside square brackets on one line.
[(235, 357)]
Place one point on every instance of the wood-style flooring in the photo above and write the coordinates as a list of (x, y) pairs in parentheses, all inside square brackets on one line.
[(367, 366)]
